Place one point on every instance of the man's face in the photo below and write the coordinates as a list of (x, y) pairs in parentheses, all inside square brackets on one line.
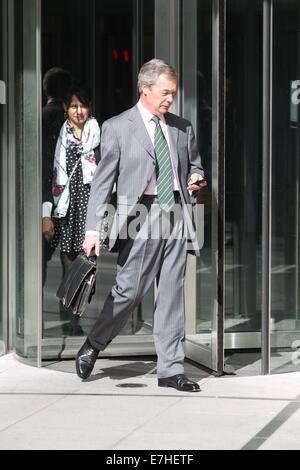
[(158, 98)]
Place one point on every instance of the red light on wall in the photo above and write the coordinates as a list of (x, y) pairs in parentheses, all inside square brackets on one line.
[(126, 55), (115, 54)]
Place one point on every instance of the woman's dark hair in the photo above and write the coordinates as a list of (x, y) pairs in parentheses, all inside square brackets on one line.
[(81, 94)]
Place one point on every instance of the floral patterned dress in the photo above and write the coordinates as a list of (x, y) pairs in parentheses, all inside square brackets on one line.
[(70, 230)]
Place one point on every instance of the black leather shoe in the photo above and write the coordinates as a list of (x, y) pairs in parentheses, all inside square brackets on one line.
[(180, 382), (85, 360)]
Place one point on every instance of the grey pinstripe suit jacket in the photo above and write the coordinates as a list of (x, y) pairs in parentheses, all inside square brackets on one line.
[(128, 159)]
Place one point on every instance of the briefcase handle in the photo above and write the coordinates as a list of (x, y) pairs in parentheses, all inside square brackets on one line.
[(92, 258)]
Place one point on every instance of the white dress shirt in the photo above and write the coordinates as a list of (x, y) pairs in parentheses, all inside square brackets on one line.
[(150, 126)]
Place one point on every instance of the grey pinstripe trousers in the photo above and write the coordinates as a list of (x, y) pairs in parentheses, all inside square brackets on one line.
[(157, 251)]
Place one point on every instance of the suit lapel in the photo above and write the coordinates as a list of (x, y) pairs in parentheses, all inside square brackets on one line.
[(173, 136), (139, 131)]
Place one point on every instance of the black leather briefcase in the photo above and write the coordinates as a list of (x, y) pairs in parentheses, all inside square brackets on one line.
[(78, 284)]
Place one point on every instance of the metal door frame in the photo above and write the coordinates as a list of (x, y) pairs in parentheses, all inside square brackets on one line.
[(267, 185), (4, 186), (30, 246)]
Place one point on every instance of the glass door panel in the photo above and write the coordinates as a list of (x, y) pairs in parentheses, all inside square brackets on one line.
[(285, 286), (118, 35), (243, 194), (68, 59), (202, 308)]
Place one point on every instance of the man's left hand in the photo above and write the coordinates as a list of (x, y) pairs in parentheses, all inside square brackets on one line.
[(195, 183)]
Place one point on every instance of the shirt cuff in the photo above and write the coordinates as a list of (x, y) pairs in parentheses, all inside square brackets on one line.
[(47, 209), (92, 233), (201, 175)]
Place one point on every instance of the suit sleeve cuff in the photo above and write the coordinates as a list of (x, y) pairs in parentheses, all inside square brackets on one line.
[(198, 172)]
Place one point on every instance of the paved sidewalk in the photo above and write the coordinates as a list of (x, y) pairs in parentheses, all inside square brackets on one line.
[(121, 407)]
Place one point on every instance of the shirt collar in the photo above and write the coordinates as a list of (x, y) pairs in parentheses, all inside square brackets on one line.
[(146, 114)]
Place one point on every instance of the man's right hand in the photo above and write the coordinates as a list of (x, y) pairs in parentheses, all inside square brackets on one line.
[(91, 242)]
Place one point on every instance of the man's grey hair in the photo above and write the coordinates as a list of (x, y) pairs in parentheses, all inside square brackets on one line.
[(151, 71)]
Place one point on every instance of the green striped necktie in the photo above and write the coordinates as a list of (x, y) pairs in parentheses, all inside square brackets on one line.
[(164, 172)]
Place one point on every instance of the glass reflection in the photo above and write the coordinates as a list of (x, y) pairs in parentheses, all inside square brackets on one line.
[(103, 59), (243, 186), (243, 166), (205, 264), (285, 316), (56, 84), (77, 154)]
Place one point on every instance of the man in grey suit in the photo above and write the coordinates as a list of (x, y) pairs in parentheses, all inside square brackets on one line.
[(150, 156)]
